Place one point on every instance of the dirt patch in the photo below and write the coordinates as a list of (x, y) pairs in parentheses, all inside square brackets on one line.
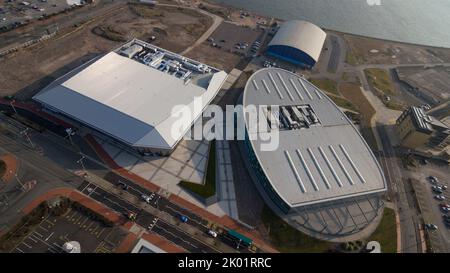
[(41, 64), (376, 51), (8, 167), (214, 57), (353, 93)]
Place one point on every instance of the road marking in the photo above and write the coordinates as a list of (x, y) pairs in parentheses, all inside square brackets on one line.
[(40, 235), (32, 239), (49, 236), (20, 250), (100, 233), (25, 244)]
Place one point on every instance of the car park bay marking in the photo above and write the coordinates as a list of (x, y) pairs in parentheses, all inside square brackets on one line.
[(20, 250), (49, 236), (27, 245)]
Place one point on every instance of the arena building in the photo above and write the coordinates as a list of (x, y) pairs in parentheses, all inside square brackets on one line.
[(129, 94), (322, 173)]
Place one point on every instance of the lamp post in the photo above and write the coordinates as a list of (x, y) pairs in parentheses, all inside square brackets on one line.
[(25, 133), (80, 161), (18, 180), (70, 133), (12, 105)]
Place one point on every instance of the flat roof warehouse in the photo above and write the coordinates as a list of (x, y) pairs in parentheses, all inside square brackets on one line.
[(321, 155), (129, 94)]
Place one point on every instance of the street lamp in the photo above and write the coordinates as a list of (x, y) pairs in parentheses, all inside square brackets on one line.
[(18, 180), (25, 132), (70, 133), (80, 161), (12, 105)]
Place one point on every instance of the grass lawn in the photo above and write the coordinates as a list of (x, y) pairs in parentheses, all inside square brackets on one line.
[(342, 102), (288, 239), (386, 233), (380, 79), (327, 85), (350, 58), (209, 188)]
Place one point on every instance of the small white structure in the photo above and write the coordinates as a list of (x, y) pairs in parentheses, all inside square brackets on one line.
[(72, 247)]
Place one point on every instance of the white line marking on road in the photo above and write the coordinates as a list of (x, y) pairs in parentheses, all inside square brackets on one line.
[(25, 244), (43, 228), (40, 235), (49, 236), (32, 239), (20, 250)]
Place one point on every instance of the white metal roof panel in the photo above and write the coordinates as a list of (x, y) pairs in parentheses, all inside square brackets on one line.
[(129, 100), (302, 35), (321, 163)]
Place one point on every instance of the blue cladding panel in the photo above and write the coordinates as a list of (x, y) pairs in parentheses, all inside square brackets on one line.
[(291, 54)]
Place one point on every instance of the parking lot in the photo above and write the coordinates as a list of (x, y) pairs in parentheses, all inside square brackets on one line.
[(21, 11), (429, 205), (51, 234), (228, 35)]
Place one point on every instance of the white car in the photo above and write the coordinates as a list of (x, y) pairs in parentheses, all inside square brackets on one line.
[(431, 226), (433, 179), (440, 197), (146, 198), (212, 233)]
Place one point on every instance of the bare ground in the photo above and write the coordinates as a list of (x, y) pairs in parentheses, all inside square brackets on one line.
[(388, 52), (214, 57), (353, 93), (27, 71)]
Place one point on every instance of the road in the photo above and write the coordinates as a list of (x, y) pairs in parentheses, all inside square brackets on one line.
[(217, 20), (409, 222), (66, 155), (35, 30), (146, 219)]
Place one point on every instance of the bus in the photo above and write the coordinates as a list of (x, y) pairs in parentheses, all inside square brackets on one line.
[(240, 239)]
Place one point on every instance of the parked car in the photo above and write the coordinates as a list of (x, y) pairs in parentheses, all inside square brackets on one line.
[(431, 227), (123, 186), (445, 209), (212, 233), (440, 197), (146, 198), (443, 187), (436, 190), (433, 179), (183, 218)]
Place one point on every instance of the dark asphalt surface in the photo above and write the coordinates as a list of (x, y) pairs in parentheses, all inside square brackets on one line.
[(145, 219)]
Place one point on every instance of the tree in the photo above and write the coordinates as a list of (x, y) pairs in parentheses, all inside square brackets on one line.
[(2, 168)]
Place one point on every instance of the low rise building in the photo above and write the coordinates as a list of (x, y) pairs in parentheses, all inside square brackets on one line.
[(419, 131)]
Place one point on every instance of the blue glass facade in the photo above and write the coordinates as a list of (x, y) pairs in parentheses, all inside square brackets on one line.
[(291, 54), (262, 179)]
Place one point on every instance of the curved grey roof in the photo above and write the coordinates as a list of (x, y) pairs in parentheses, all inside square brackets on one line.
[(302, 35), (325, 161)]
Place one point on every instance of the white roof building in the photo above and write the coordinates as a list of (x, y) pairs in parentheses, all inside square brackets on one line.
[(298, 42), (131, 99), (321, 156)]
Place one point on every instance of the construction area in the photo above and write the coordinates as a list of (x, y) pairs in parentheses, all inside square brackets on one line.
[(166, 26), (376, 51)]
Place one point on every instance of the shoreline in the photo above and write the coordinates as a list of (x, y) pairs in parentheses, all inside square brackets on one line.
[(228, 6)]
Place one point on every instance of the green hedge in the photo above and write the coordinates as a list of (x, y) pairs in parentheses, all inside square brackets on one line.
[(209, 188)]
